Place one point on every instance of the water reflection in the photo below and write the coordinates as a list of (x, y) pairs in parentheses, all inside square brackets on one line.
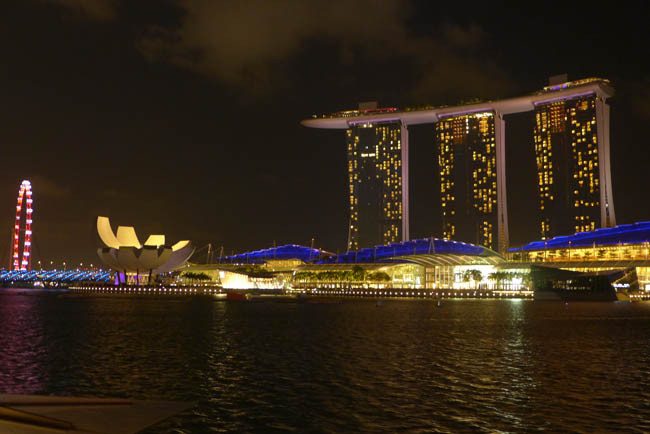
[(23, 352), (481, 366)]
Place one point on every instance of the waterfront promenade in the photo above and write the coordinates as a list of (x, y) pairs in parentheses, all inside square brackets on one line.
[(406, 293), (352, 293)]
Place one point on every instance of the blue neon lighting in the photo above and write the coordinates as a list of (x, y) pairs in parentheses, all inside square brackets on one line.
[(635, 233), (389, 252), (289, 251), (54, 276)]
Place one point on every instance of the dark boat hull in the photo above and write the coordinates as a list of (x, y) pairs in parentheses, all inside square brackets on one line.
[(567, 295), (565, 285)]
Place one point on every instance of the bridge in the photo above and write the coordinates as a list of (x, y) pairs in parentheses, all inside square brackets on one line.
[(51, 278)]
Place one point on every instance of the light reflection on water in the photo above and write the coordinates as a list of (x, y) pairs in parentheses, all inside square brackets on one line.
[(470, 365)]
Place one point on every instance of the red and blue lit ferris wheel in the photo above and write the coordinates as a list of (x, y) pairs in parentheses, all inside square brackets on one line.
[(23, 262)]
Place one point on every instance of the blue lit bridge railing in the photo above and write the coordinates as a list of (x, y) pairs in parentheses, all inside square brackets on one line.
[(54, 276)]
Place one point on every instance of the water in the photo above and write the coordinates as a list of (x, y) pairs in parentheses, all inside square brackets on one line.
[(468, 366)]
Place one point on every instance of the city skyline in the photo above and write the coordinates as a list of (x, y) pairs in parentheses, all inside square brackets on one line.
[(98, 119), (324, 216)]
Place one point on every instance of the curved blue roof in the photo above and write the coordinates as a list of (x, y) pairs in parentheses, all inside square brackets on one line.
[(289, 251), (392, 252), (635, 233)]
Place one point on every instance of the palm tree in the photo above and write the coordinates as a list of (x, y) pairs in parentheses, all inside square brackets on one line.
[(499, 276), (358, 273), (379, 276), (477, 277)]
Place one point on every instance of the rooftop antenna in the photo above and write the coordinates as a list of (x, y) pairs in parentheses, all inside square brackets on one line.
[(311, 249)]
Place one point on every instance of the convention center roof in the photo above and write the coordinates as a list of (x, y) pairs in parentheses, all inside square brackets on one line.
[(289, 251), (635, 233), (425, 251)]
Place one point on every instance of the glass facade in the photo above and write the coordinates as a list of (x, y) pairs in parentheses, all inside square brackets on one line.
[(593, 259), (476, 280), (618, 248), (468, 178), (375, 184), (566, 151), (609, 253)]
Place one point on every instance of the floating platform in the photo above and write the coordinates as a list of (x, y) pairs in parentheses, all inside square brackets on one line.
[(28, 414)]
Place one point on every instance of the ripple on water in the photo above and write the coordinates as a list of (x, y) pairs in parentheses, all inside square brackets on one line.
[(479, 366)]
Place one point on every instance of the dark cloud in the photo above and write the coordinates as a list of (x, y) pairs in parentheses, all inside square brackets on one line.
[(468, 37), (637, 92), (227, 39), (251, 43), (49, 188), (247, 42), (450, 76), (93, 9)]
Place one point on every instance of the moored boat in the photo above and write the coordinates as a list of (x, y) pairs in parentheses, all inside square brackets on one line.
[(565, 285)]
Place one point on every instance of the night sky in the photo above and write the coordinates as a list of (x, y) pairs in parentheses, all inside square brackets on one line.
[(182, 116)]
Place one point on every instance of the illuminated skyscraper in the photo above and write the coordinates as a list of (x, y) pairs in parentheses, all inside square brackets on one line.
[(467, 162), (572, 151), (571, 139), (375, 183)]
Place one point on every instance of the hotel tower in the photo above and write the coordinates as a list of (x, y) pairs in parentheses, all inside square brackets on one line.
[(468, 178), (375, 183), (571, 139), (573, 169)]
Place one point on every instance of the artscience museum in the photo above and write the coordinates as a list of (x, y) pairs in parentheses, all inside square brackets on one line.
[(135, 262)]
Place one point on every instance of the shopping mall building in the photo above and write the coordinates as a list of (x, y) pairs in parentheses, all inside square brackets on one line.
[(619, 248), (432, 265)]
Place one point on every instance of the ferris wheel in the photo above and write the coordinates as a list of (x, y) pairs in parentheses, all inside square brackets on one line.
[(23, 262)]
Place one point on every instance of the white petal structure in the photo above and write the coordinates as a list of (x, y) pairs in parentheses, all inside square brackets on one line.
[(125, 254), (179, 245), (155, 240), (106, 233), (109, 256), (126, 237), (176, 259), (150, 257)]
